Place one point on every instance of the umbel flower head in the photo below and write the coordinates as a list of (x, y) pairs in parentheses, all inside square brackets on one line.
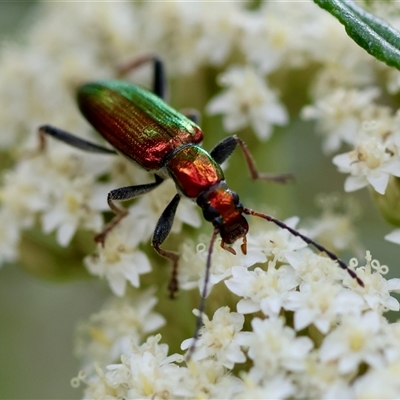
[(281, 321)]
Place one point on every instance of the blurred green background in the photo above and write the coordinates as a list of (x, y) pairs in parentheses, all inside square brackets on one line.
[(37, 318)]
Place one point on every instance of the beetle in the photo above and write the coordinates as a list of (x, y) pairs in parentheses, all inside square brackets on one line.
[(141, 126)]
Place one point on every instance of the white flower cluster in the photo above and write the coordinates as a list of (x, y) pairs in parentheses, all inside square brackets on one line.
[(313, 330), (302, 327), (349, 108), (109, 333)]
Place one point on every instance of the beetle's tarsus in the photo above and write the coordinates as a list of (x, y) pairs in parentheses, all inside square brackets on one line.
[(100, 238), (120, 214), (173, 287)]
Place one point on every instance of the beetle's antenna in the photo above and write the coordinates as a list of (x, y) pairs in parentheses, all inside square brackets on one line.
[(309, 241), (199, 320)]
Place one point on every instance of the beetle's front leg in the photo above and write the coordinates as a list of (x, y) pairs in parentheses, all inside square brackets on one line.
[(224, 149), (163, 228), (123, 194)]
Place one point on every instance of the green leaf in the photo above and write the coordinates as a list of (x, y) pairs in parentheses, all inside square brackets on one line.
[(370, 32)]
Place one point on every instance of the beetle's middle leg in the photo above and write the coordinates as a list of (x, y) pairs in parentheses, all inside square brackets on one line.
[(163, 228), (123, 194), (224, 149)]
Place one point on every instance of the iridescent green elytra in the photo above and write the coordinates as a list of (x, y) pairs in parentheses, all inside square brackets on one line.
[(135, 121)]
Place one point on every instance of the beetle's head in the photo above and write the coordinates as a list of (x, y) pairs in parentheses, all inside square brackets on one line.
[(221, 207)]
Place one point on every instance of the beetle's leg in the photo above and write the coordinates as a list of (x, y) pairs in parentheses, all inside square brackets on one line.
[(122, 194), (159, 81), (161, 232), (72, 140), (192, 114), (224, 149)]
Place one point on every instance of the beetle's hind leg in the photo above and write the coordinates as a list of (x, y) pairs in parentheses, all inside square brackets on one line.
[(70, 139), (161, 232), (224, 149), (123, 194)]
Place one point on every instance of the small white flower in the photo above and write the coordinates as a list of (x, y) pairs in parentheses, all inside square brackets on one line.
[(193, 262), (210, 379), (262, 290), (147, 372), (59, 185), (109, 333), (354, 341), (320, 303), (74, 204), (220, 29), (220, 338), (120, 260), (312, 267), (277, 387), (274, 348), (248, 100), (176, 34), (369, 163), (376, 290), (265, 39), (334, 231), (381, 383), (24, 193), (320, 380), (277, 243), (272, 45), (339, 115)]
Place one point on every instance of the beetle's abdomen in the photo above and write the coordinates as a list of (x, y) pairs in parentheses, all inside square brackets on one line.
[(193, 170), (136, 122)]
